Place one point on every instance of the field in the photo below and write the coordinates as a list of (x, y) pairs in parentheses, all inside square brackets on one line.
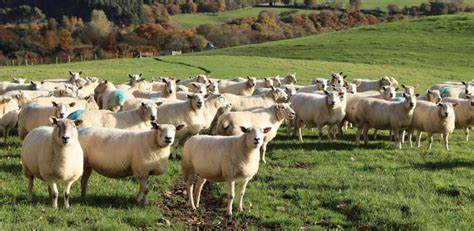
[(303, 185)]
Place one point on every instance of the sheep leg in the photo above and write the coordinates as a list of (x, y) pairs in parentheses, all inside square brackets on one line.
[(466, 134), (445, 138), (263, 150), (299, 126), (243, 186), (143, 191), (366, 135), (431, 140), (358, 133), (54, 194), (197, 194), (29, 196), (230, 196), (418, 138), (320, 134), (67, 190), (85, 181), (375, 134), (289, 125), (410, 136), (5, 135), (189, 189), (397, 135), (403, 136)]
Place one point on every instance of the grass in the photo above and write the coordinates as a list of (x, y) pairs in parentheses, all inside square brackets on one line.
[(303, 185), (382, 4)]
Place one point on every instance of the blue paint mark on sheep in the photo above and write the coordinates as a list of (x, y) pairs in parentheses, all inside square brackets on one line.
[(155, 98), (83, 130), (76, 114), (444, 92), (120, 96), (399, 99)]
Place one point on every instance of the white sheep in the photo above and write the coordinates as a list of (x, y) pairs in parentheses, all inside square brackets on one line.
[(167, 91), (53, 154), (118, 153), (6, 86), (222, 159), (242, 103), (9, 110), (212, 104), (88, 103), (289, 79), (318, 84), (382, 114), (198, 78), (337, 79), (464, 113), (374, 85), (457, 91), (238, 88), (32, 116), (229, 123), (433, 96), (432, 118), (220, 111), (318, 111), (109, 97), (18, 80)]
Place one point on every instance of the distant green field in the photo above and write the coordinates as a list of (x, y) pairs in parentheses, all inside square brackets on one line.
[(193, 20), (306, 185), (382, 4)]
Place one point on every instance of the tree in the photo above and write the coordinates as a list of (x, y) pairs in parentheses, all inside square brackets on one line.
[(310, 3), (99, 27), (66, 43), (50, 40), (355, 4)]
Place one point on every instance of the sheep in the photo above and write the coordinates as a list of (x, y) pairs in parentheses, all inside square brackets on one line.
[(222, 158), (212, 104), (53, 154), (117, 153), (433, 96), (18, 80), (382, 114), (6, 86), (265, 83), (317, 111), (432, 118), (30, 94), (337, 79), (220, 111), (457, 92), (134, 78), (373, 85), (242, 103), (238, 88), (32, 116), (88, 103), (318, 85), (109, 98), (198, 78), (289, 79), (168, 91), (9, 110), (200, 88), (276, 82), (88, 88), (137, 119), (464, 113), (273, 116)]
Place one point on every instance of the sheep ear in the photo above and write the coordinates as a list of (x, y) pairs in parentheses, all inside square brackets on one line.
[(70, 72), (344, 77), (143, 104), (396, 89), (417, 95), (266, 79), (32, 82), (78, 122), (405, 95), (106, 81), (219, 81), (428, 91), (248, 77), (244, 129), (326, 92), (130, 76), (266, 130), (53, 120), (164, 80), (455, 104), (403, 85), (140, 74), (80, 72), (178, 80), (297, 88), (72, 104), (179, 127), (190, 96), (54, 104), (468, 96), (159, 103), (195, 85), (155, 125), (464, 83), (440, 104)]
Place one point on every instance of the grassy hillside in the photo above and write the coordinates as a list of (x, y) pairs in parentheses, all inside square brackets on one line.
[(303, 185), (382, 4)]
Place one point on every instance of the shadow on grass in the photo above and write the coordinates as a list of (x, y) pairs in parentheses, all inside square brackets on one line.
[(108, 201), (11, 168), (441, 165), (311, 143)]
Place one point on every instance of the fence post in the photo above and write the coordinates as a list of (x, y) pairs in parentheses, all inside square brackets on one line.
[(57, 61), (41, 60), (68, 58), (95, 56), (26, 62)]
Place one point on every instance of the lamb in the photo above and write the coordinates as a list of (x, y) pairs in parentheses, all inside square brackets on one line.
[(32, 116), (238, 88), (137, 119), (373, 85), (432, 118), (222, 158), (229, 123), (464, 113), (382, 114), (117, 153), (9, 110), (242, 103), (109, 98), (53, 154), (6, 86), (317, 111)]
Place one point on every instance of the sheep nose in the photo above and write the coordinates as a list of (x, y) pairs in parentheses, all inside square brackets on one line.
[(152, 118), (171, 92), (61, 115), (66, 139), (256, 140), (391, 95), (168, 139), (412, 104), (446, 114)]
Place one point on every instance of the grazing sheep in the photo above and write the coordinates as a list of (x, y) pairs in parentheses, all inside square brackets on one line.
[(222, 159), (137, 119), (373, 85), (433, 96), (117, 153), (243, 103), (238, 88), (32, 116), (229, 123), (110, 98), (464, 113), (318, 111), (432, 118), (6, 86), (53, 154), (382, 114)]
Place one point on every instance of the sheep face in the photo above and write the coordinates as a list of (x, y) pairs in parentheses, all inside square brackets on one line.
[(74, 76), (35, 85), (201, 79), (268, 82), (65, 130), (468, 89), (334, 98), (217, 100), (149, 110), (388, 92), (290, 91), (279, 95), (433, 96), (410, 90), (62, 110), (410, 101), (91, 103), (290, 79), (276, 81), (213, 87), (251, 82), (197, 101), (134, 78), (254, 136), (385, 81), (165, 133), (471, 100), (446, 109), (199, 88), (337, 79), (321, 84), (19, 80), (285, 111), (352, 88), (170, 85)]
